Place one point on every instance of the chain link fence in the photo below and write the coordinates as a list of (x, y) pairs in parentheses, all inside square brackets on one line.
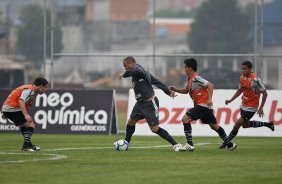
[(84, 41)]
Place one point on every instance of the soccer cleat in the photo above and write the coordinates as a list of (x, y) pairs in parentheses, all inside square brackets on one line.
[(186, 147), (233, 147), (28, 149), (271, 126), (222, 146), (35, 148), (115, 143), (176, 147)]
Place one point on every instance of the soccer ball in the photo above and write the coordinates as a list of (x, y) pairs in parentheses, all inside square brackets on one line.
[(121, 145)]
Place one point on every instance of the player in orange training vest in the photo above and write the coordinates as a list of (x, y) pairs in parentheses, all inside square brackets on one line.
[(200, 90), (251, 87), (15, 109)]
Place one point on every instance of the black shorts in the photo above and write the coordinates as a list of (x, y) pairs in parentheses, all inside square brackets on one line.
[(16, 117), (203, 113), (246, 115), (148, 110)]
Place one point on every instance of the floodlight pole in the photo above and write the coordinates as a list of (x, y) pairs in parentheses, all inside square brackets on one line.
[(264, 63), (256, 36), (44, 40), (52, 46), (154, 37)]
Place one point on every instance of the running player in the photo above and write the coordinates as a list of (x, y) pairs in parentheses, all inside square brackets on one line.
[(251, 87), (200, 90)]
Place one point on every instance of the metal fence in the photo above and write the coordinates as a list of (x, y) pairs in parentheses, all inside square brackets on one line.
[(85, 41)]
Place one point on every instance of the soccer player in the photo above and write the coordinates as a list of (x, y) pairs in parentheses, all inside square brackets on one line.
[(15, 109), (147, 105), (200, 90), (251, 87)]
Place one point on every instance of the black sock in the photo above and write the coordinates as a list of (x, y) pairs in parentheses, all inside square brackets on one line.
[(223, 135), (164, 134), (27, 136), (23, 129), (232, 134), (188, 133), (256, 124), (129, 132)]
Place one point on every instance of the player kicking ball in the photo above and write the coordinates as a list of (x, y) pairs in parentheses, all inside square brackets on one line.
[(147, 105)]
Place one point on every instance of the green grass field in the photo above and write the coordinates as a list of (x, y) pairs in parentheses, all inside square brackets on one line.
[(121, 116), (92, 159)]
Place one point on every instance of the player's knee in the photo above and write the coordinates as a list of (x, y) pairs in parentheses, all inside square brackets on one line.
[(214, 127), (245, 126), (131, 122), (154, 129), (186, 119), (32, 125)]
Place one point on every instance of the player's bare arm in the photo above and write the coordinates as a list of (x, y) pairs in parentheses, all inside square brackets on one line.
[(23, 108), (182, 91), (260, 109), (238, 93), (210, 87)]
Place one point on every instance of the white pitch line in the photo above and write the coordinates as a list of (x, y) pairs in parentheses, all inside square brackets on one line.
[(53, 157), (131, 147), (59, 156)]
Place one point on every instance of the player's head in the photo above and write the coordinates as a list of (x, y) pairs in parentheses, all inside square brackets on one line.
[(190, 64), (247, 68), (41, 84), (129, 62)]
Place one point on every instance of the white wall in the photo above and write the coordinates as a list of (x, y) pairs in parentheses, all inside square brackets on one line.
[(172, 110)]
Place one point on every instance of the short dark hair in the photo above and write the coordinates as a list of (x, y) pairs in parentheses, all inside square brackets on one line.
[(40, 81), (191, 62), (248, 64), (129, 59)]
